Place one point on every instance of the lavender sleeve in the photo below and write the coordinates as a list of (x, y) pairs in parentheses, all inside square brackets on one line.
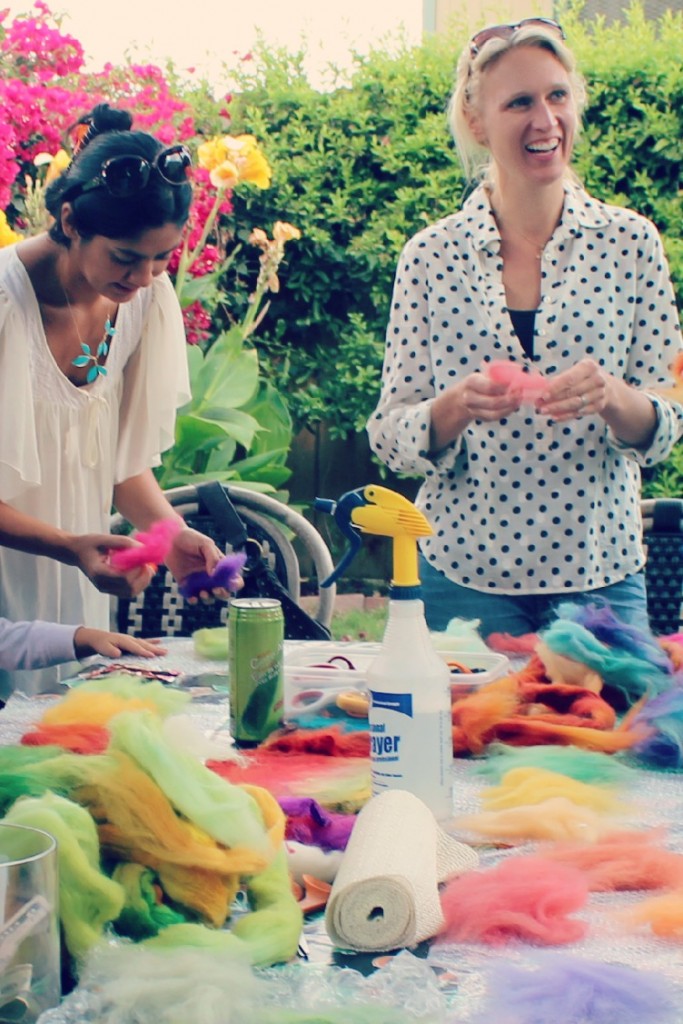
[(35, 644)]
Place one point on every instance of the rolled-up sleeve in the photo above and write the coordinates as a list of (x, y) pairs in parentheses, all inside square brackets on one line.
[(654, 347), (27, 645), (400, 426)]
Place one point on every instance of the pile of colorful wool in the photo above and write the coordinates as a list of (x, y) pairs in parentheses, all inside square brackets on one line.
[(626, 677)]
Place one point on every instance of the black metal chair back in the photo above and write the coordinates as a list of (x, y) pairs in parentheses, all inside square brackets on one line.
[(663, 536), (247, 520)]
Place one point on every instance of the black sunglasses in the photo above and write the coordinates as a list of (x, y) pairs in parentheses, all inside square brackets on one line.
[(127, 175), (506, 31)]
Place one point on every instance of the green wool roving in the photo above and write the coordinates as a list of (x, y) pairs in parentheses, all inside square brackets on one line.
[(226, 812), (143, 915), (88, 899), (212, 643), (588, 766)]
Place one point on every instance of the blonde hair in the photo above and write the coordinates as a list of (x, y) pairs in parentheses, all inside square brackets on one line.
[(475, 158)]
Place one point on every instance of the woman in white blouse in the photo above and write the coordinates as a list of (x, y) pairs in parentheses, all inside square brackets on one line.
[(92, 369), (532, 503)]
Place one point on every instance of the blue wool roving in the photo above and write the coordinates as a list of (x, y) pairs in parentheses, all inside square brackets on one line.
[(570, 990), (601, 621), (663, 748), (625, 673)]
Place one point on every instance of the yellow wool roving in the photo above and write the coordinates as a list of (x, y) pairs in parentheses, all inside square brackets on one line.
[(97, 701), (522, 786), (556, 819)]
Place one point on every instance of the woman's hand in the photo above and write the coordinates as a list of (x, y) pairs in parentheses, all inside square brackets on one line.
[(193, 551), (583, 390), (475, 397), (91, 555)]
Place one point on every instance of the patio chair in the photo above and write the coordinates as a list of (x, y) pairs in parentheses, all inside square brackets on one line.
[(236, 519), (663, 536)]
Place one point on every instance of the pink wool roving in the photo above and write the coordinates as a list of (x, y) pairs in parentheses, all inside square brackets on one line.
[(152, 549), (623, 861), (526, 897), (528, 385)]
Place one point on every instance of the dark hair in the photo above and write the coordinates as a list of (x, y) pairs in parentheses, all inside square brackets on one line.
[(97, 212)]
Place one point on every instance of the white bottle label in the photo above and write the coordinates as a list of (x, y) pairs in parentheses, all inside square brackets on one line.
[(411, 750)]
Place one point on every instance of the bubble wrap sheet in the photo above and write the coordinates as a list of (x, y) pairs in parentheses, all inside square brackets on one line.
[(652, 799)]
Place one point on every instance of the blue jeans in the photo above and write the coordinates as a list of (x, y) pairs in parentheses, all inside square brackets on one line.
[(518, 614)]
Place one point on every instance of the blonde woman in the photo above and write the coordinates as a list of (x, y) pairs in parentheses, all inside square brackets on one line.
[(532, 502)]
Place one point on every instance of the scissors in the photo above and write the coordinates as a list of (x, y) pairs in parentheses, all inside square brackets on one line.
[(353, 701)]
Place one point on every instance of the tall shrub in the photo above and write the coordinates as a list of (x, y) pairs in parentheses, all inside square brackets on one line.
[(369, 163)]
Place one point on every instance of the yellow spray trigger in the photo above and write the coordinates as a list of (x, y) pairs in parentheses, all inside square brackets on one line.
[(389, 514)]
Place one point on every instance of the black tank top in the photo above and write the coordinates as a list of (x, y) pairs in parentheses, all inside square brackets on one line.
[(523, 323)]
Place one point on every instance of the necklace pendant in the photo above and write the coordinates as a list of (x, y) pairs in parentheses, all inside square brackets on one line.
[(87, 357)]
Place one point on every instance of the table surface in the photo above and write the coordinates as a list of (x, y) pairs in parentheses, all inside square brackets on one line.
[(654, 799)]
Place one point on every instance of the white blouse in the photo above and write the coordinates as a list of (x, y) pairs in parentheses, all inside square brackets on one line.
[(526, 505), (63, 448)]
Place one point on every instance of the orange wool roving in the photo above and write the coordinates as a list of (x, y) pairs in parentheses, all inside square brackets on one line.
[(79, 739), (623, 861), (525, 897), (663, 913)]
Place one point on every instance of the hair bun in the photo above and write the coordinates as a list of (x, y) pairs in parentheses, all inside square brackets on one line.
[(101, 119)]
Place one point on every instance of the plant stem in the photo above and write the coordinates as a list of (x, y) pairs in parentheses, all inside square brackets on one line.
[(187, 258)]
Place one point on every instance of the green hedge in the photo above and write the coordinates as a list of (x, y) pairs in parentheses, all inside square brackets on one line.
[(362, 167)]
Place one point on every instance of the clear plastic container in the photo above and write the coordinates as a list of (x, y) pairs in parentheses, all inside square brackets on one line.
[(29, 923)]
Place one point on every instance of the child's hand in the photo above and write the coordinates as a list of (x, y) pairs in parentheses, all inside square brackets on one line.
[(112, 645)]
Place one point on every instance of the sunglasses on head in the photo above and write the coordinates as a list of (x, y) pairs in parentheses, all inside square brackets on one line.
[(506, 31), (127, 175)]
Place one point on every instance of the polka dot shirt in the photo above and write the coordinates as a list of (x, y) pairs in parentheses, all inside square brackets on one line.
[(526, 505)]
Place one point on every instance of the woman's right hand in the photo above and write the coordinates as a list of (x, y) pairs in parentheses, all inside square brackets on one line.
[(91, 556), (475, 397)]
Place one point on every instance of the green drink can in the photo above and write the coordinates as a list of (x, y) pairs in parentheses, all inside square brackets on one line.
[(256, 645)]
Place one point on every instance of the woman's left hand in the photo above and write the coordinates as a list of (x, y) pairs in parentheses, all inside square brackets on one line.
[(580, 391), (193, 551)]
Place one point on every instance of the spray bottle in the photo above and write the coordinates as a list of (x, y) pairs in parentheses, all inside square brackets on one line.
[(409, 682)]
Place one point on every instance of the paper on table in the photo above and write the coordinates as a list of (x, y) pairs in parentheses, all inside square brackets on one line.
[(385, 895)]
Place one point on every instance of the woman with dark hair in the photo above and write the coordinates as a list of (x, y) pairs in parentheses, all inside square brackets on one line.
[(92, 369), (534, 498)]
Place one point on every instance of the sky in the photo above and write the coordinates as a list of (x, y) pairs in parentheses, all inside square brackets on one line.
[(205, 34)]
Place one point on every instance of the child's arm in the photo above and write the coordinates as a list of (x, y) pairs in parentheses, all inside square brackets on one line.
[(112, 645), (35, 644)]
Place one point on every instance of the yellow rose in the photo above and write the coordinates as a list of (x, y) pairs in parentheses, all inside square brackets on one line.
[(7, 235), (251, 163), (211, 153), (255, 169), (224, 175), (240, 144), (284, 232)]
